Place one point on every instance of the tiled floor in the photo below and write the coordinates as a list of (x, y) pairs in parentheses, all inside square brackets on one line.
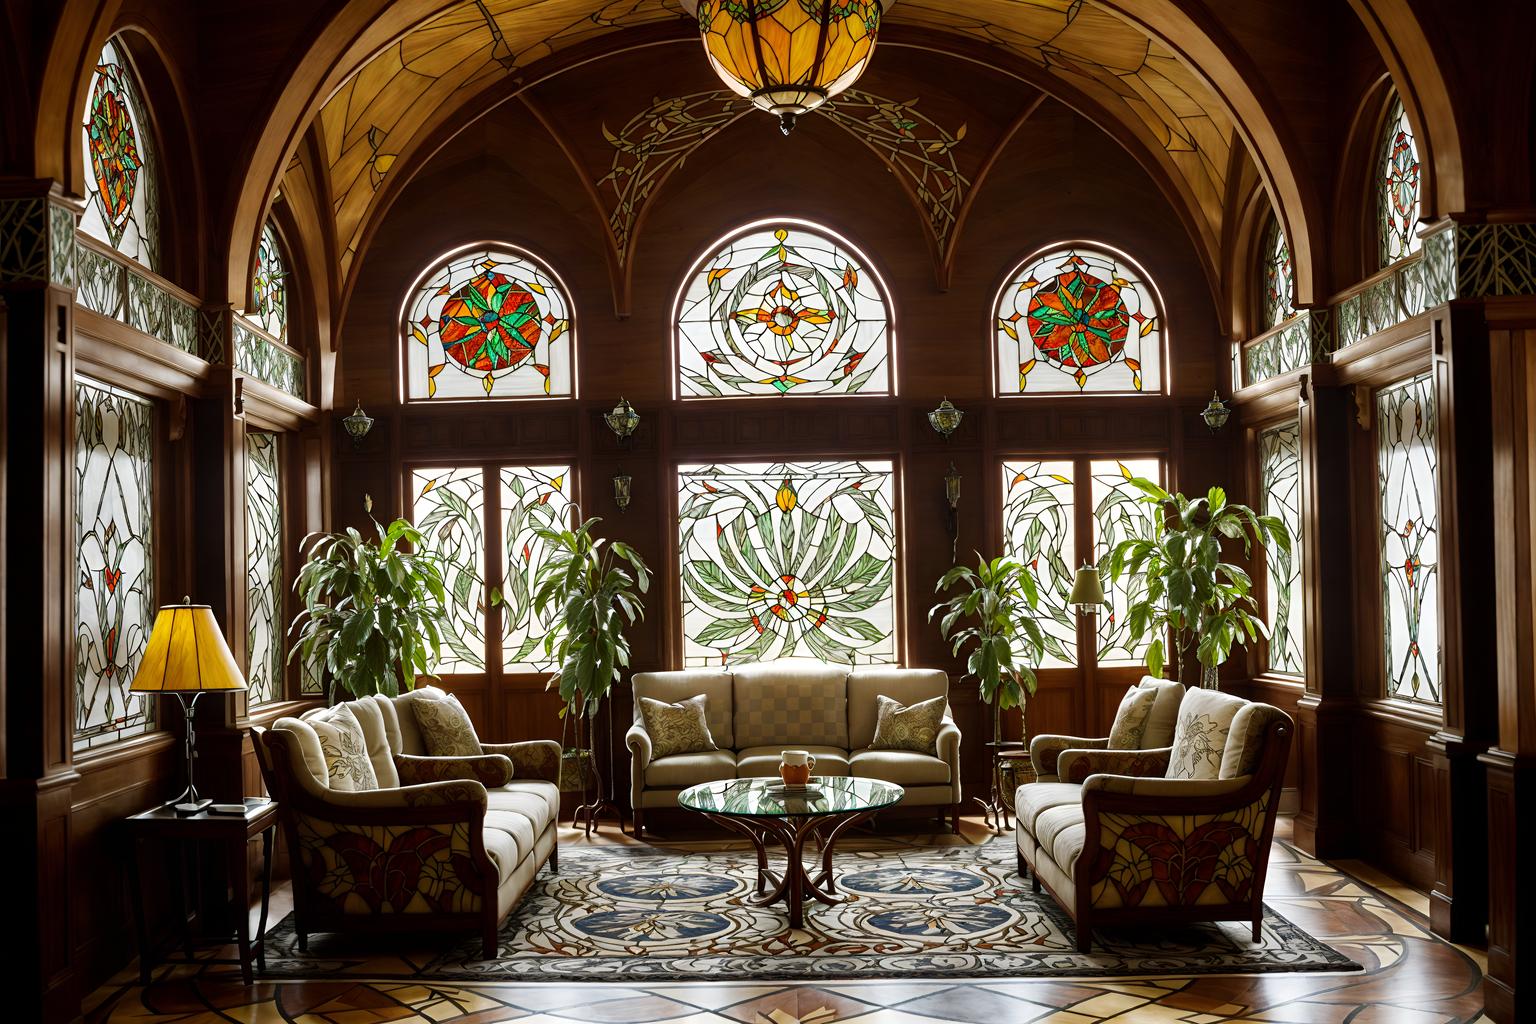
[(1411, 977)]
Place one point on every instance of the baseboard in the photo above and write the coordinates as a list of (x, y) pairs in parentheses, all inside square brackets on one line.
[(1290, 800)]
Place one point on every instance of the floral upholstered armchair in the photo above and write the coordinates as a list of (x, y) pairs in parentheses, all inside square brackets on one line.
[(1147, 723), (1165, 836)]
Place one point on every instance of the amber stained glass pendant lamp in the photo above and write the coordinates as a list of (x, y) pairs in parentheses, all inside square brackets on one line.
[(788, 56), (186, 655)]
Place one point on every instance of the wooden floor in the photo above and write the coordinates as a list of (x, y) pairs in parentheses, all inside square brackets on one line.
[(1411, 977)]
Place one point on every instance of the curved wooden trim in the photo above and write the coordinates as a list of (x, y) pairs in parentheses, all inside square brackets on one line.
[(946, 267), (1354, 200)]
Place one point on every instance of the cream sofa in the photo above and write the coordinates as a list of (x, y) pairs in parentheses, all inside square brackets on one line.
[(757, 711), (442, 843)]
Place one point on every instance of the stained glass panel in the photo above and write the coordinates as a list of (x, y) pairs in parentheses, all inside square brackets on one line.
[(1117, 515), (1279, 277), (269, 287), (1397, 188), (1280, 496), (532, 498), (114, 600), (1410, 541), (1078, 319), (783, 309), (488, 323), (122, 205), (263, 569), (449, 508), (1038, 529), (787, 559)]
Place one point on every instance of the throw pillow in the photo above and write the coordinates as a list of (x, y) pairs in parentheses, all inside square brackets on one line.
[(1130, 724), (445, 728), (916, 728), (1200, 738), (679, 728), (347, 766)]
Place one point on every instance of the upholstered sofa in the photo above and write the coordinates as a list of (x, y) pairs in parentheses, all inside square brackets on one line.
[(441, 843), (1161, 836), (755, 712)]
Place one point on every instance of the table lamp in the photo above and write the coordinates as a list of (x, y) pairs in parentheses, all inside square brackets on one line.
[(187, 656)]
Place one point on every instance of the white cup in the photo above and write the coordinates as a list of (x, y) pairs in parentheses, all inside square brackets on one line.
[(795, 757)]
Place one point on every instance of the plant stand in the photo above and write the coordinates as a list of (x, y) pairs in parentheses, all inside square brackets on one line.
[(994, 809), (598, 806)]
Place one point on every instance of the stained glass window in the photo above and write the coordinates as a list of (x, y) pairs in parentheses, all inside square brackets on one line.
[(263, 569), (787, 559), (122, 205), (1117, 515), (783, 309), (1279, 277), (269, 288), (114, 599), (1397, 188), (1410, 540), (532, 498), (1078, 319), (449, 508), (488, 323), (1038, 529), (1280, 496)]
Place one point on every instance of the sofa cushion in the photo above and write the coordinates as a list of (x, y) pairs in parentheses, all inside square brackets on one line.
[(309, 748), (908, 685), (391, 719), (683, 770), (503, 851), (516, 825), (1245, 739), (903, 767), (1130, 723), (376, 739), (714, 684), (405, 717), (1200, 739), (537, 801), (792, 702), (1060, 830), (347, 767), (763, 762), (1165, 711), (912, 727), (445, 728), (677, 728), (1036, 798)]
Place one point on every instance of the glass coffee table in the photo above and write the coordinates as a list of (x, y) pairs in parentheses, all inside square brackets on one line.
[(746, 806)]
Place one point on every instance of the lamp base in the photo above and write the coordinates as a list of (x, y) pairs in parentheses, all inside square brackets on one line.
[(185, 809)]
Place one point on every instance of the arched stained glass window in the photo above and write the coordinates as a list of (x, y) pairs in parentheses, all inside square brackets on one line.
[(1075, 319), (783, 308), (488, 322), (1397, 188), (121, 197), (269, 287), (1279, 277)]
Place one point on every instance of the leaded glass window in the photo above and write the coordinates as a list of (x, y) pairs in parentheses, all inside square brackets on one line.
[(489, 322), (1280, 496), (1039, 530), (1076, 319), (263, 569), (1279, 277), (1397, 188), (533, 498), (114, 597), (449, 509), (787, 559), (269, 288), (122, 203), (783, 308), (1118, 515), (1406, 467)]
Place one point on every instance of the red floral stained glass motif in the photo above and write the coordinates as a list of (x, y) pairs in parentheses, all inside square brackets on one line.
[(1397, 188), (1407, 473), (1075, 320), (488, 323), (121, 204)]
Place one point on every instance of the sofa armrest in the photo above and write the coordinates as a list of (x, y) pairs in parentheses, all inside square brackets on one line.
[(947, 744), (531, 759), (1160, 787), (639, 743), (490, 770), (1044, 751), (1076, 765), (458, 800)]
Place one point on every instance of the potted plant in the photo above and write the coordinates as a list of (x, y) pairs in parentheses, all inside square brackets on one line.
[(1203, 604), (373, 609)]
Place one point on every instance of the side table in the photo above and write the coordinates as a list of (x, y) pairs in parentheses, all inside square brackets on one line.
[(998, 802), (233, 831)]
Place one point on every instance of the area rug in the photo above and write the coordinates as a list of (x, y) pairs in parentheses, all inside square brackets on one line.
[(619, 913)]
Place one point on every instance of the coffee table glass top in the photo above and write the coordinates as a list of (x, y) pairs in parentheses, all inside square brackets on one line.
[(750, 798)]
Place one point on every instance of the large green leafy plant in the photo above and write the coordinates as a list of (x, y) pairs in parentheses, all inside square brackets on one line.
[(373, 608), (1205, 605), (999, 628)]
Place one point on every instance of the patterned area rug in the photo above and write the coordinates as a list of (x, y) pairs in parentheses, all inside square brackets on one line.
[(620, 913)]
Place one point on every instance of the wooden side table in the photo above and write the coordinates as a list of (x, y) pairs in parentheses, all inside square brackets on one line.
[(233, 832), (998, 803)]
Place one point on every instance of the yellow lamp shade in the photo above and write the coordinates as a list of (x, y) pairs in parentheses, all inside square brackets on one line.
[(187, 653), (789, 56)]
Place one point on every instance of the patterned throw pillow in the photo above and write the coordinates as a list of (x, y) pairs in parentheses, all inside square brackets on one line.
[(916, 728), (347, 766), (1200, 738), (445, 727), (680, 728), (1131, 719)]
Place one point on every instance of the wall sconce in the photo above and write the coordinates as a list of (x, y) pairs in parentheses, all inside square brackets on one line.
[(621, 490), (357, 425), (622, 420), (945, 420), (1087, 590), (1215, 413)]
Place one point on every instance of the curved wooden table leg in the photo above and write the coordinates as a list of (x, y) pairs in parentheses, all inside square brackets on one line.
[(792, 834)]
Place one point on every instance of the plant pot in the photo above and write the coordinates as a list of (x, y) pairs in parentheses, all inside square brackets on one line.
[(576, 771)]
